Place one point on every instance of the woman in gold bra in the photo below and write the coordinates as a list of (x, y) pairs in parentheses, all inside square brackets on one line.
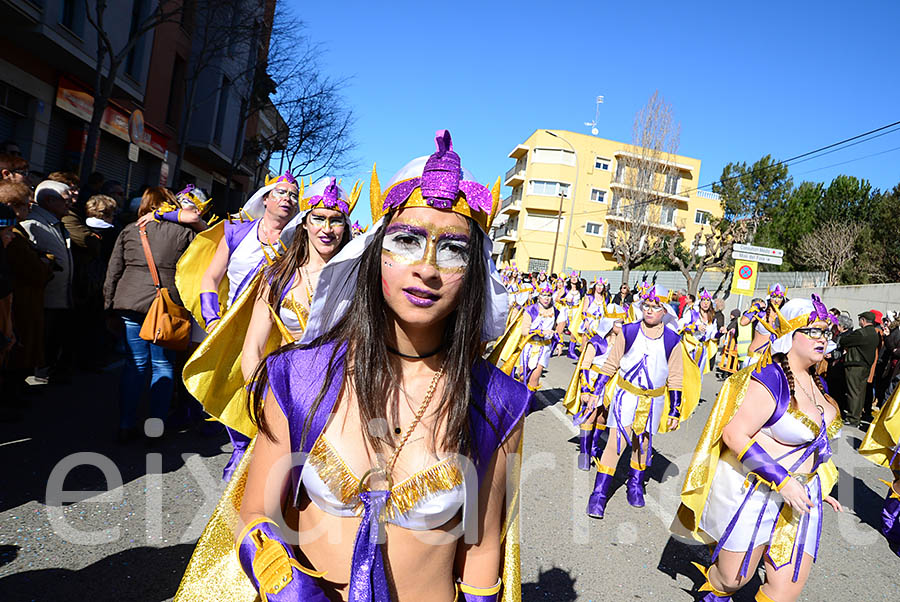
[(288, 285)]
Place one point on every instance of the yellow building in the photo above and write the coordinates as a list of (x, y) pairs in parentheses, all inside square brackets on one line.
[(542, 207)]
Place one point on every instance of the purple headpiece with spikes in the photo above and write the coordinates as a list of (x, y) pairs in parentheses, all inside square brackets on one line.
[(820, 312), (187, 190), (331, 198), (441, 182), (704, 294)]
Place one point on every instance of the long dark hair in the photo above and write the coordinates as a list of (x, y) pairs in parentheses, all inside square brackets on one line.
[(368, 364), (280, 274)]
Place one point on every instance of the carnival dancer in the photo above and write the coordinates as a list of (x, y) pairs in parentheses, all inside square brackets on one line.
[(426, 423), (647, 363), (573, 310), (763, 316), (220, 271), (699, 330), (593, 307), (589, 414), (762, 470), (286, 295), (881, 445), (541, 327)]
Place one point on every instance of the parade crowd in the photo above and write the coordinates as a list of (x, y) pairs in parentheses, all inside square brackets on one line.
[(384, 355)]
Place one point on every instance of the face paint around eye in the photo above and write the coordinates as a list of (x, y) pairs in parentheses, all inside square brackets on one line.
[(408, 243)]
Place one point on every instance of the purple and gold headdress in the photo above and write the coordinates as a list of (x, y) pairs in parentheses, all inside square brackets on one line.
[(656, 293), (441, 185), (327, 193), (704, 294), (195, 197), (777, 290)]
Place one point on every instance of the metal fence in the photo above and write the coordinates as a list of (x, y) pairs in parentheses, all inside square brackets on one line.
[(710, 280)]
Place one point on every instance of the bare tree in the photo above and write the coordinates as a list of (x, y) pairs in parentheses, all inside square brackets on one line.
[(707, 250), (831, 247), (109, 59), (646, 175)]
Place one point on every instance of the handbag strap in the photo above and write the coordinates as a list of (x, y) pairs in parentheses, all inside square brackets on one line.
[(149, 255)]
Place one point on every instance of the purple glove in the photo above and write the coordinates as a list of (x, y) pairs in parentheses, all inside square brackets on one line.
[(169, 216), (479, 594), (759, 462), (270, 564), (675, 404), (209, 306), (600, 384), (585, 379)]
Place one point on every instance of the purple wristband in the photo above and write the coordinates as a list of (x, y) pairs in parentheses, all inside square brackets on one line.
[(169, 216), (479, 594), (675, 404), (282, 580), (585, 386), (209, 306), (600, 384), (759, 462)]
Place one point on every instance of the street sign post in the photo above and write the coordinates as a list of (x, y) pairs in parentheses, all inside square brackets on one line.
[(744, 280), (755, 257)]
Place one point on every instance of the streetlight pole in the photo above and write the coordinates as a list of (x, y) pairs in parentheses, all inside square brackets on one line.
[(572, 208), (556, 238)]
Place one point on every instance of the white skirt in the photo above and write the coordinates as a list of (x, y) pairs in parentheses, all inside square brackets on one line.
[(726, 495)]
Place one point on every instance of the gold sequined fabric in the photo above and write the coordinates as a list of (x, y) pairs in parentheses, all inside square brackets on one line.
[(883, 434), (214, 573)]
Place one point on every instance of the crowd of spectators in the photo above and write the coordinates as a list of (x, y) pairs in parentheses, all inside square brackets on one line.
[(75, 287)]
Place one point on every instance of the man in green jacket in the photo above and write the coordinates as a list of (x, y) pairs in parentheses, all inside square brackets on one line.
[(860, 345)]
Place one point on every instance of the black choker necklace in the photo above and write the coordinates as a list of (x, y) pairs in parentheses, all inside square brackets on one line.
[(416, 357)]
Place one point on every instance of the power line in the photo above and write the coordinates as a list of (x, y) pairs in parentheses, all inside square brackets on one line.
[(806, 156), (890, 150)]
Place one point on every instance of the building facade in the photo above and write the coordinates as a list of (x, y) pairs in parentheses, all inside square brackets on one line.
[(571, 193), (48, 65)]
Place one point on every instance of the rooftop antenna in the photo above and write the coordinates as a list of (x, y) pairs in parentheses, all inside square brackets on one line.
[(593, 124)]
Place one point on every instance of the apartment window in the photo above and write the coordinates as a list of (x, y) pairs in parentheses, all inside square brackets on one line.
[(548, 188), (235, 22), (615, 204), (593, 229), (536, 265), (644, 178), (667, 216), (176, 91), (598, 196), (560, 156), (611, 238), (672, 181), (13, 100), (602, 163), (133, 61), (702, 217), (544, 223), (620, 173), (70, 15), (224, 92)]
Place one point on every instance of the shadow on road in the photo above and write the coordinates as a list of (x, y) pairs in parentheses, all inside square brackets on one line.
[(553, 585), (154, 572), (82, 417), (866, 502), (676, 559)]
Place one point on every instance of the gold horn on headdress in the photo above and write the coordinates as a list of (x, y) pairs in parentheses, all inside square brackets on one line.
[(354, 195), (271, 180), (375, 194), (495, 204)]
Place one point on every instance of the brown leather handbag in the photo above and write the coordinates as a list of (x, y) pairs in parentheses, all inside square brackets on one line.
[(167, 324)]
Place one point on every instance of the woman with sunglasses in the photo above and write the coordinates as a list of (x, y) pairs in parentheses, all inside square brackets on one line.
[(762, 471), (645, 367), (700, 331), (401, 429)]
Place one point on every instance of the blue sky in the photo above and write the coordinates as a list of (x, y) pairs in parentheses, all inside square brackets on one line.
[(744, 79)]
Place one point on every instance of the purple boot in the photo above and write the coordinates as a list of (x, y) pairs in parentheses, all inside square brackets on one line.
[(585, 441), (890, 519), (572, 355), (596, 507), (634, 487)]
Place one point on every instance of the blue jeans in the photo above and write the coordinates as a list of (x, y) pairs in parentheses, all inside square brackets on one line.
[(143, 359)]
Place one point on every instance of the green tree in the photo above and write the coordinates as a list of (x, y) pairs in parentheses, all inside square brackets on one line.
[(754, 192), (847, 199), (790, 221)]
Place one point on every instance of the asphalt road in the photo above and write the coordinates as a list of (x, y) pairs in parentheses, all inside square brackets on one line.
[(133, 542)]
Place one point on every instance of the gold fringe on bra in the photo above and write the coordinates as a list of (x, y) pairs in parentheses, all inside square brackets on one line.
[(337, 476)]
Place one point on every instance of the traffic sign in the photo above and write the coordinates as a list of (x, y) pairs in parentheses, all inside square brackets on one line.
[(772, 260), (759, 250), (744, 280)]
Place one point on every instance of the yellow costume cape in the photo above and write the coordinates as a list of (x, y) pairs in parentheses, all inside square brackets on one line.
[(695, 346), (575, 318), (508, 348), (883, 434), (699, 476), (191, 266), (214, 574), (572, 399)]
